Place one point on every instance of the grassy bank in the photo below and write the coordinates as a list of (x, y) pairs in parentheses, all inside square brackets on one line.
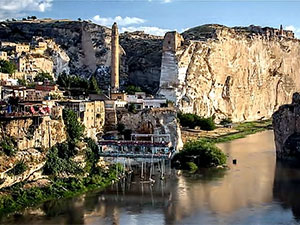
[(242, 130), (19, 197)]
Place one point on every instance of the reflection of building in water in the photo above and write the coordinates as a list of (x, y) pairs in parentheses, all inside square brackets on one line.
[(287, 187)]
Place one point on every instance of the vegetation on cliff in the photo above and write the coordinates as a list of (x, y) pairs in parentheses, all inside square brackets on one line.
[(18, 196), (200, 153), (77, 85), (7, 67), (67, 176), (42, 77)]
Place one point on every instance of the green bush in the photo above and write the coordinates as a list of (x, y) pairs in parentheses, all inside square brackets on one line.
[(18, 169), (132, 108), (192, 167), (57, 165), (225, 121), (41, 77), (206, 124), (202, 153), (192, 120), (8, 146), (131, 89), (7, 67)]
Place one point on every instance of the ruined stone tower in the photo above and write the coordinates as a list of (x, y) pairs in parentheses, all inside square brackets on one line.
[(281, 30), (115, 58)]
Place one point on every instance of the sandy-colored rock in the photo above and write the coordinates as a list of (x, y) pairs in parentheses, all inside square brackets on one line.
[(154, 121), (230, 73)]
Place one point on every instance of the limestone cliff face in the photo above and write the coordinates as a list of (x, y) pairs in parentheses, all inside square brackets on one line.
[(286, 124), (230, 72), (143, 59), (154, 121), (85, 43), (34, 132), (85, 50), (32, 136)]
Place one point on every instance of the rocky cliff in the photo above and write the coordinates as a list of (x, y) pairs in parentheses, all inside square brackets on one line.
[(87, 46), (30, 138), (286, 124), (154, 121), (242, 73)]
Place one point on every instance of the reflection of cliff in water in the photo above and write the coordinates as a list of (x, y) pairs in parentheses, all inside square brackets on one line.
[(287, 186)]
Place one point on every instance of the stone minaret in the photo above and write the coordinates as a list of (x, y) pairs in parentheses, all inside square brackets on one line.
[(281, 30), (115, 58)]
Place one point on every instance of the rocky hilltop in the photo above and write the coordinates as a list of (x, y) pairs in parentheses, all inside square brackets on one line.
[(242, 73), (212, 70), (87, 45)]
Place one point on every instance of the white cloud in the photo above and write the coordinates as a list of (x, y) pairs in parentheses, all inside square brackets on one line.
[(296, 30), (167, 1), (149, 30), (108, 21), (16, 8)]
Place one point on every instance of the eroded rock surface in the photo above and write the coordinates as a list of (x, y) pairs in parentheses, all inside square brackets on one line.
[(154, 121), (286, 124), (242, 73)]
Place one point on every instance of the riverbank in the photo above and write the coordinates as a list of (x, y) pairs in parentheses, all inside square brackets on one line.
[(24, 195), (223, 134)]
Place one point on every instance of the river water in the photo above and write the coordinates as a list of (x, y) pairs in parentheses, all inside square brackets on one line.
[(256, 190)]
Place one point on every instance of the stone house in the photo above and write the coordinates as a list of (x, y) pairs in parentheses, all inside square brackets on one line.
[(90, 113)]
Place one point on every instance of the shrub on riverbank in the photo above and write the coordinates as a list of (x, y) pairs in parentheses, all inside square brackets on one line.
[(201, 153), (18, 197), (192, 120)]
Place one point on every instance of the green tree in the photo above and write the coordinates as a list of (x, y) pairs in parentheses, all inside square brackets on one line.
[(200, 152), (93, 86), (64, 80), (192, 120), (132, 108), (75, 129), (7, 67), (131, 89), (41, 77)]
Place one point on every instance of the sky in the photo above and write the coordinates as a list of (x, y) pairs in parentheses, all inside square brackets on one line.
[(158, 16)]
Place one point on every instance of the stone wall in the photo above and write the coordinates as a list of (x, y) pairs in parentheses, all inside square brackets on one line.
[(154, 121), (286, 124), (242, 75)]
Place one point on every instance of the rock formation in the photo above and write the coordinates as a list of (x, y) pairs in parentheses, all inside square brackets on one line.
[(154, 121), (286, 124), (241, 73)]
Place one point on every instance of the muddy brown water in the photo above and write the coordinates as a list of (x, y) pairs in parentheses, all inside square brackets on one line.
[(257, 190)]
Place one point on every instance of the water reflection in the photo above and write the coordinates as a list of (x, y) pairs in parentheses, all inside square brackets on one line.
[(287, 186), (254, 191)]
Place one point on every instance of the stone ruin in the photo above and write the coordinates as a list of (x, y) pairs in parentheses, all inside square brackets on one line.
[(286, 124)]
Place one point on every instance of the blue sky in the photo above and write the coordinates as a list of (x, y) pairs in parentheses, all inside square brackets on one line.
[(158, 16)]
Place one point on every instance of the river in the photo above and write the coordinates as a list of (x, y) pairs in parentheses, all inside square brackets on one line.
[(256, 190)]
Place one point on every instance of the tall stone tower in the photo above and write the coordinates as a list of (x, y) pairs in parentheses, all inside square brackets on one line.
[(115, 58), (281, 30)]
